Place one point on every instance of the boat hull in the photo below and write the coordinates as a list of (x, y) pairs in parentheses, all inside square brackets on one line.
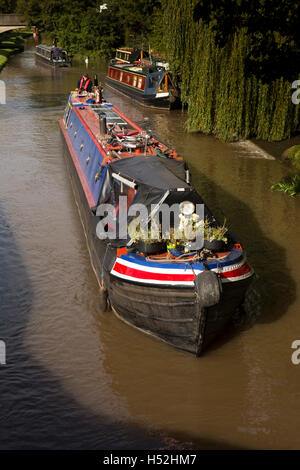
[(174, 314), (52, 63), (171, 314), (149, 101)]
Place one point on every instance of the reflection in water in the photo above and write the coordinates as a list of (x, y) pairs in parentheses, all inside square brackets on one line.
[(77, 378)]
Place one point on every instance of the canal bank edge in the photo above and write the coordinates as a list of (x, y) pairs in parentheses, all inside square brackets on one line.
[(11, 42)]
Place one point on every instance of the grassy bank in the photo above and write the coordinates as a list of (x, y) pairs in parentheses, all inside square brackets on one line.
[(293, 155), (11, 42), (291, 185)]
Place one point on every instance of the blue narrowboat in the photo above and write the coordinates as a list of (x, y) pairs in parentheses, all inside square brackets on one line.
[(183, 297)]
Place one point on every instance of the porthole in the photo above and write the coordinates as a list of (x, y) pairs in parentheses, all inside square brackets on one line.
[(75, 134), (81, 146), (88, 159)]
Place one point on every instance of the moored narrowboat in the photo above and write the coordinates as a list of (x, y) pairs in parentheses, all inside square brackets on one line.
[(177, 293), (53, 55), (142, 78)]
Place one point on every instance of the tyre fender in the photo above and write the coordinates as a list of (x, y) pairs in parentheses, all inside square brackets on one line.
[(208, 288)]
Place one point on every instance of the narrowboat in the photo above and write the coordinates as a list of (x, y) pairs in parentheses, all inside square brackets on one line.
[(183, 297), (52, 55), (143, 79)]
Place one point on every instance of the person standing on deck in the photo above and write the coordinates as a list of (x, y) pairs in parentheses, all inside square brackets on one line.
[(85, 83)]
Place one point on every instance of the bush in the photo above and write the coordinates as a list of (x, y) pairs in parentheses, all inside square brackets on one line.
[(290, 186)]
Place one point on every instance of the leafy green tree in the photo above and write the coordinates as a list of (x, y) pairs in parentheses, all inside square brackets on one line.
[(235, 60), (8, 6)]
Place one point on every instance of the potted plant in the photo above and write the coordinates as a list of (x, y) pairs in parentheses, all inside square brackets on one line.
[(215, 235), (147, 240)]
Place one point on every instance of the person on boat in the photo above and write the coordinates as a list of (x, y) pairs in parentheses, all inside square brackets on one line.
[(98, 93), (36, 34), (84, 83), (55, 52)]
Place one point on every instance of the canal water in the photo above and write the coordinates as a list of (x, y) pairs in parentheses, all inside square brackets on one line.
[(77, 377)]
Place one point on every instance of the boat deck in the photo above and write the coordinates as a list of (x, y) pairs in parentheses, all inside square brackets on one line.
[(119, 128)]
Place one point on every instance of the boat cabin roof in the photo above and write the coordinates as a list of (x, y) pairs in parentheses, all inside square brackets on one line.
[(129, 54), (152, 171), (49, 48), (45, 46), (130, 151)]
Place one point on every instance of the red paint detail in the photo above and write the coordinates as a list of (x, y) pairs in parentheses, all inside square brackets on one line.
[(80, 173), (127, 77), (120, 268), (238, 246), (121, 251), (147, 275), (245, 269), (128, 120)]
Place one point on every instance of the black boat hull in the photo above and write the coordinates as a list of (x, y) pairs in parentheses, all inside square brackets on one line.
[(149, 101), (52, 63), (169, 314)]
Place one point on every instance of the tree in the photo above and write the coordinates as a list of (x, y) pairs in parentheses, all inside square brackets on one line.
[(8, 6), (235, 60)]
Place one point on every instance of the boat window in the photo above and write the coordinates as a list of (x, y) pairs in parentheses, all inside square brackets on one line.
[(121, 76), (81, 146), (140, 83), (134, 80)]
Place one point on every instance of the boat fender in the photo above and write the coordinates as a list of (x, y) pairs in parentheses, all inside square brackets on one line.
[(103, 298), (208, 288)]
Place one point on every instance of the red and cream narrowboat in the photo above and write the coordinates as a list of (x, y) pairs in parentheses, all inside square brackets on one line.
[(146, 81)]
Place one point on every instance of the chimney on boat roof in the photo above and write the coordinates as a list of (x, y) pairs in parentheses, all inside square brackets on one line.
[(102, 124)]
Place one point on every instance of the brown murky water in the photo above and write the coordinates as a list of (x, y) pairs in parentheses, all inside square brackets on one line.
[(79, 378)]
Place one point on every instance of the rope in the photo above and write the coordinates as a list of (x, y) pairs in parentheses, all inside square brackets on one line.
[(102, 271)]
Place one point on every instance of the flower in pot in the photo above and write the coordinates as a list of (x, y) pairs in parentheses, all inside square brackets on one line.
[(147, 239), (215, 235)]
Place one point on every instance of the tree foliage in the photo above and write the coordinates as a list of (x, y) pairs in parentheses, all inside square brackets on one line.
[(7, 6), (82, 27), (235, 61)]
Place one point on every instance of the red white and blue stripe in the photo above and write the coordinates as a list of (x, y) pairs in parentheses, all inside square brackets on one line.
[(137, 269)]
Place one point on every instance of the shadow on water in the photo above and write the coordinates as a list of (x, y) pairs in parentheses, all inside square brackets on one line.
[(36, 411)]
